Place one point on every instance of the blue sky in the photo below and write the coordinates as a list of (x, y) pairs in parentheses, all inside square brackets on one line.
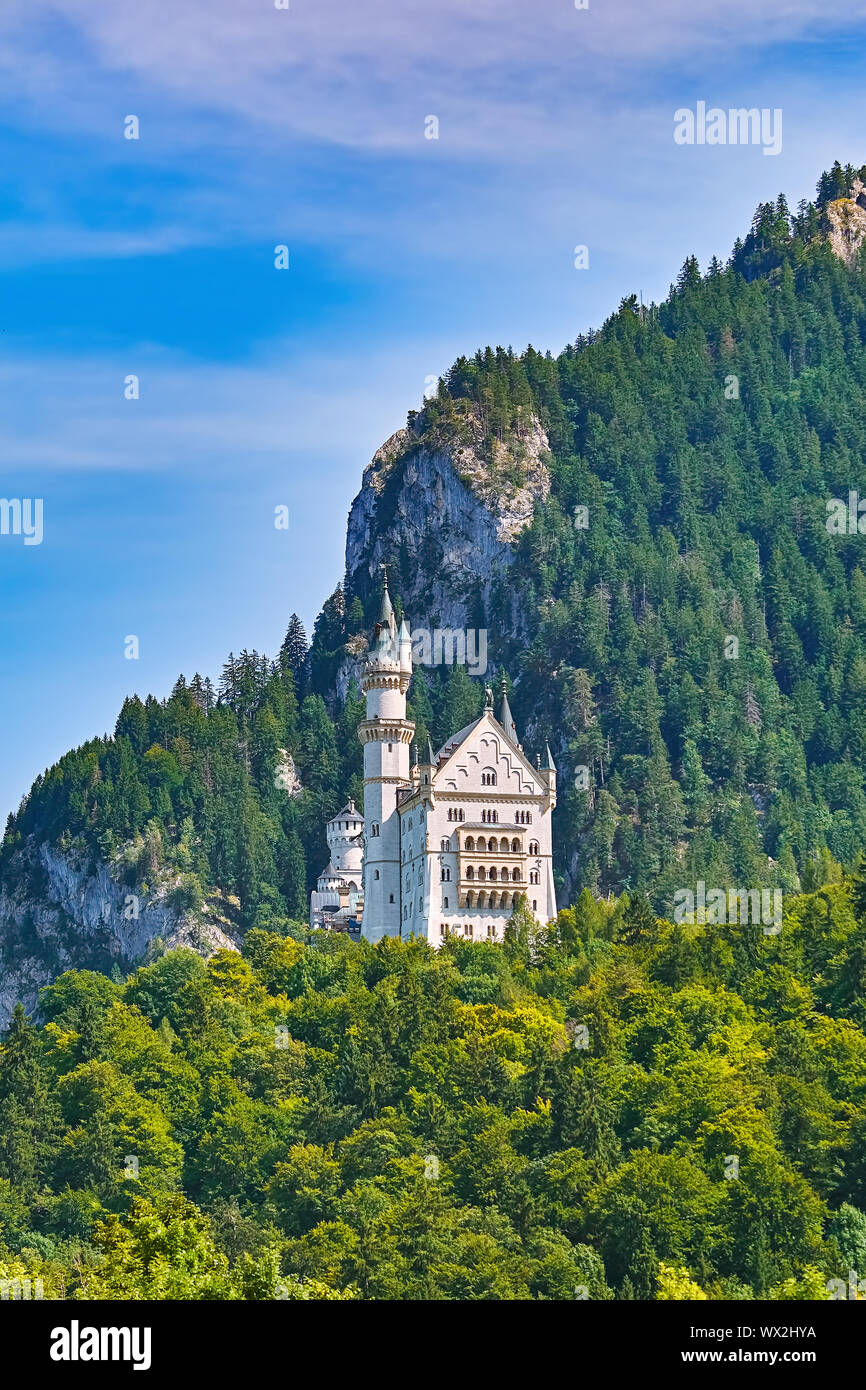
[(260, 387)]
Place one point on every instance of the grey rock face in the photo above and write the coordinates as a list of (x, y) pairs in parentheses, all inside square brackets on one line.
[(455, 515), (81, 918)]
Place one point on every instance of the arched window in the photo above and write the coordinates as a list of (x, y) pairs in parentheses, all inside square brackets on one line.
[(374, 828), (446, 874), (467, 928), (534, 905), (491, 845), (492, 874), (515, 874), (515, 846), (528, 817), (482, 874), (470, 872), (533, 846), (488, 777), (470, 899), (503, 845), (514, 897), (443, 844), (482, 899), (444, 902), (376, 873), (470, 842)]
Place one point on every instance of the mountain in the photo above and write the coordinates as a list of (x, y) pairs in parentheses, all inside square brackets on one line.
[(644, 529)]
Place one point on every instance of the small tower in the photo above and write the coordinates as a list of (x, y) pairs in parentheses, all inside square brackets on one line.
[(547, 771), (386, 734)]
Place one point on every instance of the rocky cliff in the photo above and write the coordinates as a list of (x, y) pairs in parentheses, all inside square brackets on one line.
[(847, 217), (68, 911), (447, 509)]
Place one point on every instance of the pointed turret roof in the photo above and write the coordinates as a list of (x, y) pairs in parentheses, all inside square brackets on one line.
[(549, 765), (506, 718), (386, 612)]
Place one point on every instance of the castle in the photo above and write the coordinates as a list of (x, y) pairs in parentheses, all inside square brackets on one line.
[(450, 844)]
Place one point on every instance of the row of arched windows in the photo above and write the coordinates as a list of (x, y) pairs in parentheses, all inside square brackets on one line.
[(523, 817), (492, 846), (490, 817), (456, 813), (492, 875), (485, 899)]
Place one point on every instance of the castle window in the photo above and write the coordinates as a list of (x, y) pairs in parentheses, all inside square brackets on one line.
[(376, 873), (374, 828), (533, 846), (534, 905), (470, 872), (493, 875), (528, 817), (514, 897), (443, 844), (444, 902), (470, 842), (442, 928), (515, 846), (461, 813), (503, 845), (488, 778), (467, 928), (533, 876), (516, 875), (391, 898), (482, 874), (390, 748), (491, 845), (446, 874)]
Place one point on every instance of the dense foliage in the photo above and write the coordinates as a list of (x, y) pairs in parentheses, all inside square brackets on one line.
[(611, 1107)]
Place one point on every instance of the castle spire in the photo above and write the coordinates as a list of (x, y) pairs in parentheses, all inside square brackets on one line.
[(386, 612), (506, 718)]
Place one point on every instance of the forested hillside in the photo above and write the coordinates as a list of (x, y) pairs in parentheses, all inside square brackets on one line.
[(694, 446), (611, 1107)]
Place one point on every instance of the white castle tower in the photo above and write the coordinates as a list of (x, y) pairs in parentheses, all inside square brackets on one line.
[(386, 734), (338, 895)]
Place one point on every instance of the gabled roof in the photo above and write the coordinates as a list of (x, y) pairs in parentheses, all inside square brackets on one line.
[(449, 749), (453, 743)]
